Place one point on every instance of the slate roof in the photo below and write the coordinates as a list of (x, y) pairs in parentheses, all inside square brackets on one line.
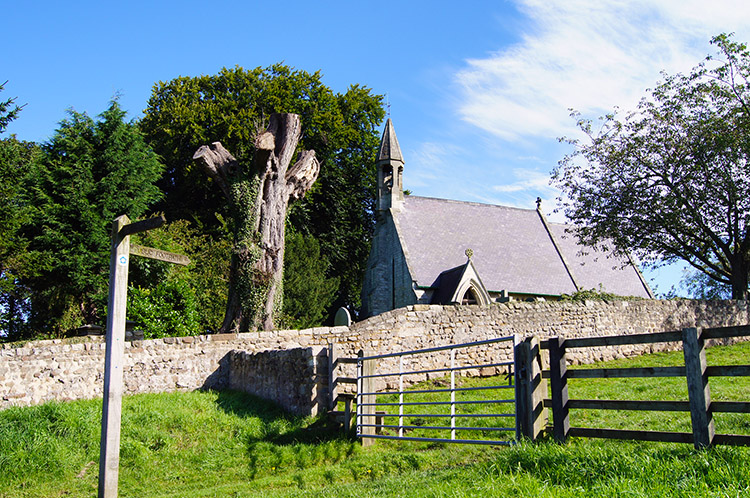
[(513, 250), (591, 267), (446, 284)]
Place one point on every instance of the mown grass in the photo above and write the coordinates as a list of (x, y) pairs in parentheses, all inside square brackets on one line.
[(208, 444)]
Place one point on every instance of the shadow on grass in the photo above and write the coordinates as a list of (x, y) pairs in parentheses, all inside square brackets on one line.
[(281, 442), (278, 426), (245, 405)]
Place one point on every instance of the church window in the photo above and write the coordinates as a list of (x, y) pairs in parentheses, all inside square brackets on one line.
[(470, 297), (388, 176)]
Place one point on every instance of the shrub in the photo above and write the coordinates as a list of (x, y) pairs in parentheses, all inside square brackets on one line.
[(168, 310)]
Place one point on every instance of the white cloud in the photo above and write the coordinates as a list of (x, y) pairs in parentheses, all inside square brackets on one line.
[(527, 180), (521, 190), (428, 163), (590, 56)]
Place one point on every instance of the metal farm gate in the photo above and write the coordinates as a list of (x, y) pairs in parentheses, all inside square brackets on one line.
[(463, 393)]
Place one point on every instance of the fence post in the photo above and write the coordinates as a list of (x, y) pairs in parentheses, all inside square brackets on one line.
[(453, 394), (358, 403), (366, 400), (332, 401), (348, 415), (401, 396), (699, 393), (519, 371), (538, 389), (559, 384), (530, 388)]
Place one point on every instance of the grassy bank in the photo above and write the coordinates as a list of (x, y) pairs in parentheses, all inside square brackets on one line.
[(206, 444)]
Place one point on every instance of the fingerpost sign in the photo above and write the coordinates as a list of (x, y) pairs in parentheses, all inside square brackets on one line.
[(122, 229)]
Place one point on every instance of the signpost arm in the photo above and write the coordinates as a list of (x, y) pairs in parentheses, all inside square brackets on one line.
[(109, 457)]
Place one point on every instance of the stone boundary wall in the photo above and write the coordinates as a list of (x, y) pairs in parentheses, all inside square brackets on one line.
[(65, 370), (73, 369), (296, 379), (426, 326)]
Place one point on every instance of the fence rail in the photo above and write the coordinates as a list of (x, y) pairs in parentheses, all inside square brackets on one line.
[(531, 398), (696, 372), (372, 423)]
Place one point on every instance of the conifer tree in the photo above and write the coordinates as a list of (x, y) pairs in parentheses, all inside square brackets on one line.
[(90, 172), (15, 157)]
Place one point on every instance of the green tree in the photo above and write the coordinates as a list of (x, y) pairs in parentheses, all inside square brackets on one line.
[(671, 180), (308, 293), (233, 107), (202, 285), (8, 110), (698, 285), (91, 172), (15, 160), (168, 309)]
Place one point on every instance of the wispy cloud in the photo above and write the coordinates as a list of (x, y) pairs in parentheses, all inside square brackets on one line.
[(526, 180), (428, 163), (521, 190), (590, 56)]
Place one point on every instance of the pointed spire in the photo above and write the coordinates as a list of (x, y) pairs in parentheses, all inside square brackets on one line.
[(389, 148)]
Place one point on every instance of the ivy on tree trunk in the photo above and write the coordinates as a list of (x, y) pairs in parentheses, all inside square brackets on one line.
[(258, 196)]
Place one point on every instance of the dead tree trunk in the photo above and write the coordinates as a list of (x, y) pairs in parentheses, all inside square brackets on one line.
[(259, 197)]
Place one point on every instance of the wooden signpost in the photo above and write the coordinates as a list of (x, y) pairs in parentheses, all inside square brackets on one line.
[(122, 229)]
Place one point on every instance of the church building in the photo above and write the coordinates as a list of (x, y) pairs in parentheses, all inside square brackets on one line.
[(437, 251)]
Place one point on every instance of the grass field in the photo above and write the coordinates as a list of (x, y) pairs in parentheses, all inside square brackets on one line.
[(208, 444)]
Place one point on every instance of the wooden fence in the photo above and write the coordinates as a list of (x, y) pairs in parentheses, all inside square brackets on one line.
[(696, 372), (534, 398)]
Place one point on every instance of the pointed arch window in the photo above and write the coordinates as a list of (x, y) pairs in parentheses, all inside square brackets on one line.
[(470, 297), (388, 176)]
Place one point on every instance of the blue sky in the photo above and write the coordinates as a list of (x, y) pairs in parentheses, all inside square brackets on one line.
[(479, 91)]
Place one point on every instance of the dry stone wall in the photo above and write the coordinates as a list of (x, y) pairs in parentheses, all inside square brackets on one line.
[(427, 326), (64, 370), (424, 326), (296, 379)]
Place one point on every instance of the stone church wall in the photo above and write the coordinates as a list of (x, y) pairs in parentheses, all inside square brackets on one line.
[(271, 364), (296, 379), (388, 282)]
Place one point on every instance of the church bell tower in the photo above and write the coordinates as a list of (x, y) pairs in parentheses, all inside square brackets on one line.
[(390, 165)]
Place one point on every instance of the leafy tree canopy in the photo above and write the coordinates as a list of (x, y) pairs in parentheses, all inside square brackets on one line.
[(232, 107), (15, 157), (671, 180), (15, 262), (156, 286), (89, 173), (698, 285)]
